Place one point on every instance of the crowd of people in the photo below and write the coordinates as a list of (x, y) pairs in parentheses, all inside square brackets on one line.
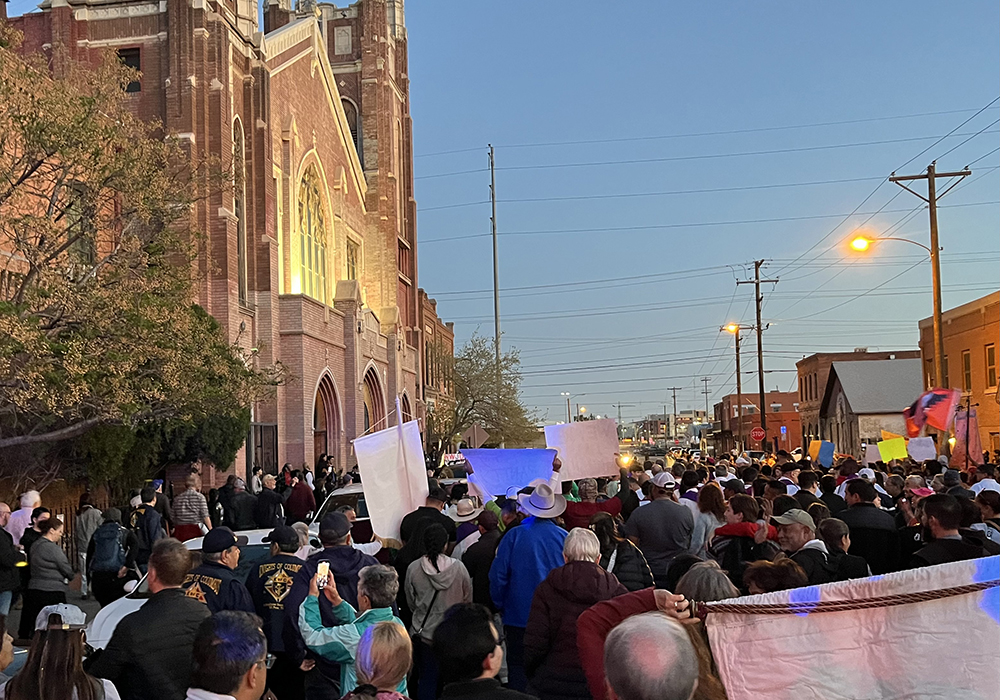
[(559, 590)]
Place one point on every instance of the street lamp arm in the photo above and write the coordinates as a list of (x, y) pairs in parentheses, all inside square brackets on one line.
[(904, 240)]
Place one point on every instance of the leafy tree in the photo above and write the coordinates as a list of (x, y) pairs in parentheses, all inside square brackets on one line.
[(477, 397), (97, 328)]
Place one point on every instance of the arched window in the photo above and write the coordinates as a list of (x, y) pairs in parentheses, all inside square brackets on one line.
[(354, 123), (312, 237), (239, 209)]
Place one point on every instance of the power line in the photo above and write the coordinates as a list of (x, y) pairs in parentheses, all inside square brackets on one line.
[(691, 224), (695, 157), (754, 130)]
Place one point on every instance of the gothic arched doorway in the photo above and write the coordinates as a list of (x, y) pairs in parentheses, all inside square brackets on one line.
[(374, 402), (404, 405), (326, 420)]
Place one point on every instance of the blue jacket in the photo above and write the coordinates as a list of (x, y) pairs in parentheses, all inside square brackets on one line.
[(525, 557)]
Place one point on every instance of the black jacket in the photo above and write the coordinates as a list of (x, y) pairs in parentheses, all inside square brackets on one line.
[(269, 510), (217, 586), (242, 507), (478, 559), (270, 584), (629, 503), (10, 580), (847, 566), (806, 499), (945, 551), (873, 536), (551, 658), (149, 655), (735, 554), (834, 502), (482, 689), (816, 565), (148, 526), (630, 566)]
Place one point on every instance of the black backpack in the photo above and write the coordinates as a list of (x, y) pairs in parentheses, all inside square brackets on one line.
[(109, 548)]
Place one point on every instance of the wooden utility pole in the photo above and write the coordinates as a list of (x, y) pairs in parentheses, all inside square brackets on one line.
[(496, 265), (931, 175), (673, 423), (759, 298)]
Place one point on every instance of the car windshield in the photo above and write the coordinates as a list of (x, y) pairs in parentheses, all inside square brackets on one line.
[(336, 500)]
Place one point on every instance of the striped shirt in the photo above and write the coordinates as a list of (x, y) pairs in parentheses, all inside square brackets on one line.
[(190, 508)]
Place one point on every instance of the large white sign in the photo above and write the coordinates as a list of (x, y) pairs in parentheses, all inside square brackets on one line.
[(588, 448), (393, 475)]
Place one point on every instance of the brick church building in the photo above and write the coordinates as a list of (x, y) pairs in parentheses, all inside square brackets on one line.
[(313, 260)]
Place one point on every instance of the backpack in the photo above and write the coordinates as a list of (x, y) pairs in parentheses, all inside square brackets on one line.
[(109, 552), (141, 528)]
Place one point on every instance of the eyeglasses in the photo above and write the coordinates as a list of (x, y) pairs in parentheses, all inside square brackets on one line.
[(268, 661), (501, 638)]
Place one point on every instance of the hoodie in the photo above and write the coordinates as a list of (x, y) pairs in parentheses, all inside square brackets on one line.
[(814, 558), (430, 590), (552, 660)]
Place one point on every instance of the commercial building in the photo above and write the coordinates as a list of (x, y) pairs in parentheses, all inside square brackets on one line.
[(970, 333), (813, 373), (861, 399), (439, 348), (783, 421), (313, 259)]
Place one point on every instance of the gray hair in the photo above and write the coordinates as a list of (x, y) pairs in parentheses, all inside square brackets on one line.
[(380, 584), (706, 582), (650, 657), (302, 530), (30, 498), (581, 545)]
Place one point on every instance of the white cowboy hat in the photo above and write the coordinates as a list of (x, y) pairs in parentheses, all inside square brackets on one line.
[(542, 502), (464, 511)]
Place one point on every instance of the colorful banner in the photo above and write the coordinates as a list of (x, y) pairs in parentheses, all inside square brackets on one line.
[(587, 448), (933, 647), (495, 471), (393, 475), (892, 449), (966, 424), (935, 408)]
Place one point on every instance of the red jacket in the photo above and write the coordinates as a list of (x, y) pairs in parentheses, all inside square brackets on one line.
[(300, 501), (579, 514), (595, 624), (745, 530)]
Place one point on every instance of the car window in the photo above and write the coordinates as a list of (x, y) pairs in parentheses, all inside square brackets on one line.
[(141, 591), (355, 500), (250, 556)]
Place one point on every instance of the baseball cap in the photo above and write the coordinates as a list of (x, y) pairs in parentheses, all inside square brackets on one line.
[(438, 494), (867, 473), (282, 535), (335, 524), (219, 539), (952, 478), (157, 483), (72, 617), (664, 480), (736, 485), (795, 516)]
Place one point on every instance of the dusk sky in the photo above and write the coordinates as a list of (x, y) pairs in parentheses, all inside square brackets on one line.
[(648, 151)]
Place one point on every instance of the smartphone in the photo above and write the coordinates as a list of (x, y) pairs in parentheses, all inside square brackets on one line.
[(323, 572)]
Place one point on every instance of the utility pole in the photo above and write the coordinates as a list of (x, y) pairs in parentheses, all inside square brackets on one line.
[(673, 423), (706, 392), (931, 175), (619, 406), (496, 265), (759, 298)]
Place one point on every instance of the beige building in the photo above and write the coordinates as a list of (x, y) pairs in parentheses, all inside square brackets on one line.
[(971, 333)]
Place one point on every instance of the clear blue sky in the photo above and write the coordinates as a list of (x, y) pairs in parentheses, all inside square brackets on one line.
[(517, 73), (634, 81)]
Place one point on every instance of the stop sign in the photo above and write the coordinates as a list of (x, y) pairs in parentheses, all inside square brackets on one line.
[(757, 434)]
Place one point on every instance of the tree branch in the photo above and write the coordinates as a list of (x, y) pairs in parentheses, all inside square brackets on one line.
[(69, 431)]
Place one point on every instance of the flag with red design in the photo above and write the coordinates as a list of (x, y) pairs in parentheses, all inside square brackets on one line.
[(934, 408)]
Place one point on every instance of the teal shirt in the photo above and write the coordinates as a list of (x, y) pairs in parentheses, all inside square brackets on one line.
[(340, 643)]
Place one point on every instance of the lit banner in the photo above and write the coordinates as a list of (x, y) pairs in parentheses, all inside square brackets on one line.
[(830, 646), (588, 448), (496, 471)]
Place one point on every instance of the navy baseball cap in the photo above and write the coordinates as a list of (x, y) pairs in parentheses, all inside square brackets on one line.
[(220, 539), (282, 535), (336, 524)]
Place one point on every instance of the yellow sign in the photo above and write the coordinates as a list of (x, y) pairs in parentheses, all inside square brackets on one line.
[(892, 449)]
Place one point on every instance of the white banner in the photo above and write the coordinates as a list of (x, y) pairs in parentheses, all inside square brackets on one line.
[(495, 471), (393, 475), (586, 449), (928, 650)]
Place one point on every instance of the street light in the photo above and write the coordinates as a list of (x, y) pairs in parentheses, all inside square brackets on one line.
[(862, 243), (568, 396), (735, 329)]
